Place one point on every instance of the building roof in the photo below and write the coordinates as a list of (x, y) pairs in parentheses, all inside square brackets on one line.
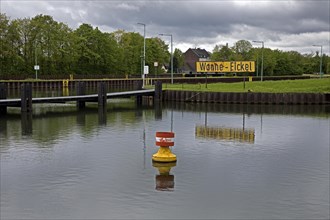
[(201, 53)]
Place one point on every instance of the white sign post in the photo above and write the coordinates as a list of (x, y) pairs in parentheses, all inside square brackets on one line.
[(146, 70), (36, 68), (156, 65)]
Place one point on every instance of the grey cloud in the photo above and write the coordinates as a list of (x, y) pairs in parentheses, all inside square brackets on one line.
[(188, 20)]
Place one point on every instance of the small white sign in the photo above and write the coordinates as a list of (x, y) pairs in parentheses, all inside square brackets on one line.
[(36, 67), (155, 64), (146, 70)]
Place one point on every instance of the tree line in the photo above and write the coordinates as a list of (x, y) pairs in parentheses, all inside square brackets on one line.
[(276, 62), (60, 50)]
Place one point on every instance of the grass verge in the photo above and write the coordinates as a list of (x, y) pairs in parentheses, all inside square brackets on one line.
[(283, 86)]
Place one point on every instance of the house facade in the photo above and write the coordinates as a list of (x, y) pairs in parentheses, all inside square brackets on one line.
[(191, 56)]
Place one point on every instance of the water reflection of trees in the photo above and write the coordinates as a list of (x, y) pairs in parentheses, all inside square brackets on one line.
[(50, 123)]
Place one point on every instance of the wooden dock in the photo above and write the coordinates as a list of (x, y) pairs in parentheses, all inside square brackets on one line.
[(86, 98), (26, 100)]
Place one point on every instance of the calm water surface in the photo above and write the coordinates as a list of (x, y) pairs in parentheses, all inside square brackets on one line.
[(234, 162)]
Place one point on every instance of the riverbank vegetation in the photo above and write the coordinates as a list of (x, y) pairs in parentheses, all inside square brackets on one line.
[(321, 85), (60, 50)]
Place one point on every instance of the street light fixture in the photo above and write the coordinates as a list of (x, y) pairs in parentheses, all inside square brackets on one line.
[(320, 59), (262, 57), (170, 35), (144, 51)]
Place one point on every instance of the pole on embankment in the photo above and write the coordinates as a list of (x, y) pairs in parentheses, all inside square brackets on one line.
[(3, 95), (81, 90), (26, 97)]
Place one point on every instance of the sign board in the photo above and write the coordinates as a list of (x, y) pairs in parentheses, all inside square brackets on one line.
[(227, 66), (155, 64), (146, 70), (36, 67)]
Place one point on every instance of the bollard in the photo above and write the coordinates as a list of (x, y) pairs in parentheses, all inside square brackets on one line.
[(3, 95), (65, 83), (65, 91), (164, 140), (26, 97)]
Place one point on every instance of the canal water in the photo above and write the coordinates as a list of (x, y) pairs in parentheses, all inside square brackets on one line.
[(234, 162)]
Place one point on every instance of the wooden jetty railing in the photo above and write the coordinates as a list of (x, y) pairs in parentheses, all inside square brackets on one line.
[(26, 100)]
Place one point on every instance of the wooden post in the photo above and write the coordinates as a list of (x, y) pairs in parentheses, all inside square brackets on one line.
[(102, 103), (102, 114), (26, 97), (138, 86), (81, 90), (102, 94), (158, 91), (3, 95), (26, 123), (158, 100)]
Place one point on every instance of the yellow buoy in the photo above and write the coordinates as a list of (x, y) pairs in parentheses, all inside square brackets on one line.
[(164, 140)]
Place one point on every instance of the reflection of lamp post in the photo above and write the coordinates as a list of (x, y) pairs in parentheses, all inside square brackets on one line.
[(170, 35), (320, 59), (262, 56), (144, 51)]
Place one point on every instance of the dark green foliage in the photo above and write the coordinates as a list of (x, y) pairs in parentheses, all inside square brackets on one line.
[(60, 51), (276, 62)]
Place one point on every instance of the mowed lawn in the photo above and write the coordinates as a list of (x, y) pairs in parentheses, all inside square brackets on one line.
[(320, 85)]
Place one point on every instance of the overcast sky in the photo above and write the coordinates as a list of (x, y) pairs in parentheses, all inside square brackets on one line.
[(281, 24)]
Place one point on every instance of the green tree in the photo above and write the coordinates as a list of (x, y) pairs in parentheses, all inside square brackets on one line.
[(11, 58), (222, 53), (178, 60), (130, 52), (157, 51), (242, 49)]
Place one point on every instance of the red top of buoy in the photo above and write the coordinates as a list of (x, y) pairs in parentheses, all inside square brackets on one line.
[(164, 139)]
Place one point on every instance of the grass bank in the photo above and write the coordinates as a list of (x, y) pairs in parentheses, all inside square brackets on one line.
[(286, 86)]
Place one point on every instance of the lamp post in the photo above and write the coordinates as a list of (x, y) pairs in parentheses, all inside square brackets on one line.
[(257, 64), (320, 59), (170, 35), (144, 51), (36, 62), (262, 57), (36, 66)]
